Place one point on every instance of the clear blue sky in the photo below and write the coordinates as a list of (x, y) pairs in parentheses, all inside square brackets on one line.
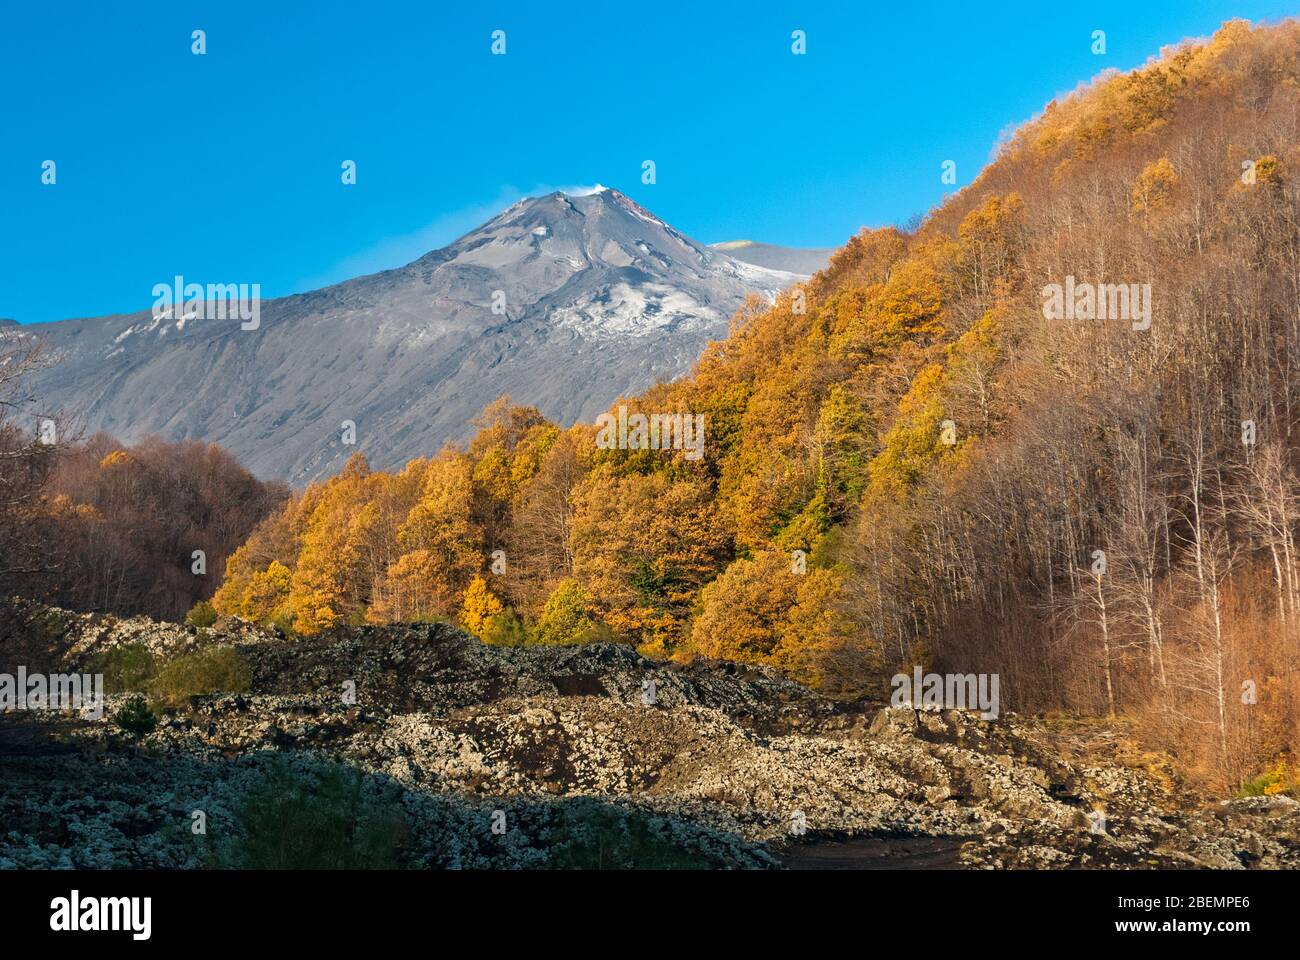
[(225, 167)]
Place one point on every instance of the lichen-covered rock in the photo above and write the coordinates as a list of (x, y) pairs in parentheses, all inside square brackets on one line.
[(734, 766)]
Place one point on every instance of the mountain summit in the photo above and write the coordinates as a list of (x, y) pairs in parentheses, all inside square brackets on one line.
[(564, 301)]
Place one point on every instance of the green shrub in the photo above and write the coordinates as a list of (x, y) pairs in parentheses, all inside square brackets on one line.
[(317, 816), (135, 718), (566, 618), (126, 669), (598, 632), (282, 620), (1271, 782), (211, 670), (45, 628), (202, 615), (507, 630), (595, 836)]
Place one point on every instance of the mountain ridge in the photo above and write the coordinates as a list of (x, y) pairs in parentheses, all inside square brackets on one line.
[(804, 260), (561, 301)]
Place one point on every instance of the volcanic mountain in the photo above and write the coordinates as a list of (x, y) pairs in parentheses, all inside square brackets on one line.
[(562, 301)]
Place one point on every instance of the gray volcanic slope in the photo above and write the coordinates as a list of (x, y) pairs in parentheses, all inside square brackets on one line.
[(790, 259), (602, 298)]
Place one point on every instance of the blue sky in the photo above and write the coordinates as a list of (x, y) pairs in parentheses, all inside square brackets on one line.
[(226, 167)]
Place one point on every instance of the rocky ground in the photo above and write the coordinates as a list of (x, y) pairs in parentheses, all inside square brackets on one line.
[(456, 754)]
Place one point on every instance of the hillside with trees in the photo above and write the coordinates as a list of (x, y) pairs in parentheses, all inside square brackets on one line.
[(907, 462), (99, 527)]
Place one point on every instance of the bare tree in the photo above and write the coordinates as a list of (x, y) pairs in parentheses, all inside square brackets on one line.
[(29, 445)]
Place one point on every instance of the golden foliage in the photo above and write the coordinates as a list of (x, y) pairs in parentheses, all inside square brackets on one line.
[(1153, 190), (479, 607), (905, 419)]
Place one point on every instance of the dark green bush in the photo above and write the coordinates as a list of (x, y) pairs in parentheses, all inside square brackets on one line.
[(126, 669), (316, 816), (135, 718), (594, 836)]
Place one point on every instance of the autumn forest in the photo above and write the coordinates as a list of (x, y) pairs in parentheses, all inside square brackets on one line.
[(906, 461)]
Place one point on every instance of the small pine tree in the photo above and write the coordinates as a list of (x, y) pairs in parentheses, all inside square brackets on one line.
[(135, 718)]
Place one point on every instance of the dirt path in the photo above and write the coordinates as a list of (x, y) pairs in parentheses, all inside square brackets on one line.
[(875, 853)]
